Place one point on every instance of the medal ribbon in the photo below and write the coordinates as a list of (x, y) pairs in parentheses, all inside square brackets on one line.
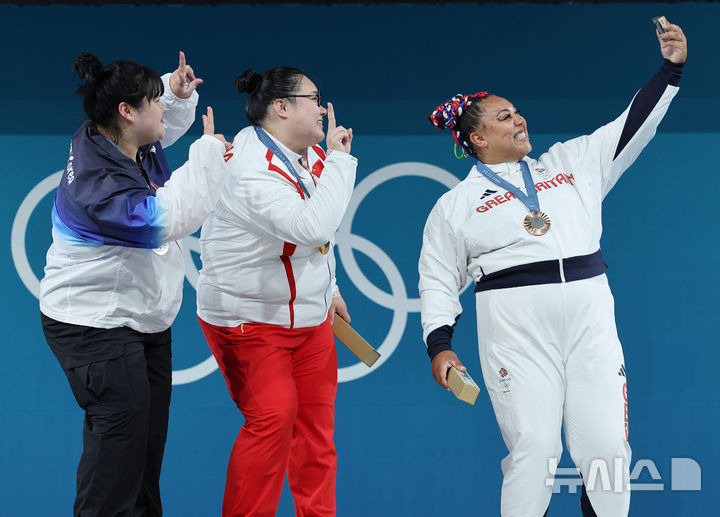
[(268, 142), (530, 200)]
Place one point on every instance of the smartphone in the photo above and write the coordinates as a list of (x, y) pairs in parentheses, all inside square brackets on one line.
[(659, 21)]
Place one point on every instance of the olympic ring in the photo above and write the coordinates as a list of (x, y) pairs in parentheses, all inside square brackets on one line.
[(346, 241), (19, 228), (397, 300), (209, 365)]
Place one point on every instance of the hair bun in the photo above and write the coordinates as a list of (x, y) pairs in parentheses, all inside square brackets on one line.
[(88, 67), (446, 115), (248, 82), (437, 118)]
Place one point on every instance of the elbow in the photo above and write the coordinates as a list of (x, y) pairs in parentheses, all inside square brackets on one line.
[(315, 237), (315, 232)]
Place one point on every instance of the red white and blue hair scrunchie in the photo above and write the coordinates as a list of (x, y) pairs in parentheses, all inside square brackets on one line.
[(446, 116)]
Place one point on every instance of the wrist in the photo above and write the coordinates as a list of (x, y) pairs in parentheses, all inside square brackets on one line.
[(672, 72), (439, 340), (177, 90), (434, 351)]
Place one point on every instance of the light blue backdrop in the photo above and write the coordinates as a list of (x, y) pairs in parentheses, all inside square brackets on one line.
[(405, 446)]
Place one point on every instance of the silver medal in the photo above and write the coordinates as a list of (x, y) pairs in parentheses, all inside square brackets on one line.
[(162, 249)]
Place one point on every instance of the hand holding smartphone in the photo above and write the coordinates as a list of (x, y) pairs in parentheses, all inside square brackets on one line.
[(660, 23)]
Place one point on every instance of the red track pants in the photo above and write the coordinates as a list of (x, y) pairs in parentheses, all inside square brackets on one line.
[(284, 381)]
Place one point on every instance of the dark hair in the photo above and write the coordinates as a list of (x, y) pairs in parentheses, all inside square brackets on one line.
[(274, 83), (107, 86), (461, 114), (469, 122)]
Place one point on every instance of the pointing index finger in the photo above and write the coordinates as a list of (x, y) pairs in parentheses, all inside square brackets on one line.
[(209, 122), (182, 60), (331, 117)]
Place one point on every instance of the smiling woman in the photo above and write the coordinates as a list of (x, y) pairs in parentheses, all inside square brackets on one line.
[(493, 129), (503, 136), (114, 273), (266, 295), (548, 346)]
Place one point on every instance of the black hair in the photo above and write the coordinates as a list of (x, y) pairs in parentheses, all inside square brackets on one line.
[(264, 88), (107, 86), (469, 122)]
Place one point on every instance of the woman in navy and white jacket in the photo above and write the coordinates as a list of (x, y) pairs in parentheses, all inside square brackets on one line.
[(115, 270)]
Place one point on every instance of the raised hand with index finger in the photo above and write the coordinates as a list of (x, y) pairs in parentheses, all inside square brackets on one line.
[(337, 137), (183, 81), (209, 128)]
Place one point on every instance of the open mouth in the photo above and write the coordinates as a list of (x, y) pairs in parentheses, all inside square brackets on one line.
[(521, 136)]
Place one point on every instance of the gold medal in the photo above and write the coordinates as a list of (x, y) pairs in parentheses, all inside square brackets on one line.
[(536, 223), (325, 248)]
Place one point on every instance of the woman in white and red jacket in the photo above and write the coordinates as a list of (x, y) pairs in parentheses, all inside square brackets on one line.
[(267, 293)]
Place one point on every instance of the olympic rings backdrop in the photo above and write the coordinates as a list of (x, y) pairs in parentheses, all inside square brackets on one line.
[(406, 447)]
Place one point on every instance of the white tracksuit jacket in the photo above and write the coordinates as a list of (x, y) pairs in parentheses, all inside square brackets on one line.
[(476, 228), (259, 248)]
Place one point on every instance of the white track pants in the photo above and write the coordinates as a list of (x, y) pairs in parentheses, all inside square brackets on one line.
[(550, 357)]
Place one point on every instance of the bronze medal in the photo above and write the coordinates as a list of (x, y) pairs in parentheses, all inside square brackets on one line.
[(536, 223)]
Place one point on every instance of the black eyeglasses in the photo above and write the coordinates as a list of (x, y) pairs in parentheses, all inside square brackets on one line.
[(316, 97)]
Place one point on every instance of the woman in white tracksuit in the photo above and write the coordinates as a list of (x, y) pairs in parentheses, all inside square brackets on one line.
[(528, 233)]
